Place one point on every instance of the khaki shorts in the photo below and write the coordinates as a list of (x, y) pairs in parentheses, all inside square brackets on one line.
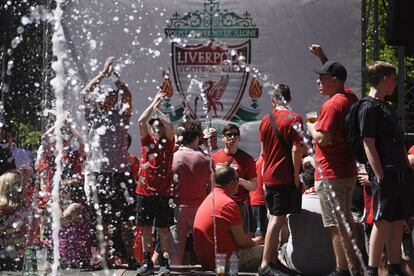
[(250, 258), (343, 189)]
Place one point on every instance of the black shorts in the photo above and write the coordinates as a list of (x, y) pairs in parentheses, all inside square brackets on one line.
[(392, 197), (154, 211), (284, 199), (116, 198)]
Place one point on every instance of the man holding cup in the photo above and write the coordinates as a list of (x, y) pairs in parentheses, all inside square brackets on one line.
[(334, 158), (312, 117)]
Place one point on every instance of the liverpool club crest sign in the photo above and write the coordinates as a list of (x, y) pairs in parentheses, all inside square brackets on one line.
[(216, 57)]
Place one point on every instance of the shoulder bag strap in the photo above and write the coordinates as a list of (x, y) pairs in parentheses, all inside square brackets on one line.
[(279, 136), (228, 162)]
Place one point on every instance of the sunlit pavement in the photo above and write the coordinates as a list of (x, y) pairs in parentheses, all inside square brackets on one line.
[(175, 270)]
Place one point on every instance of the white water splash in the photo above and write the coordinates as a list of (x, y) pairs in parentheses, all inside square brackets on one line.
[(58, 84)]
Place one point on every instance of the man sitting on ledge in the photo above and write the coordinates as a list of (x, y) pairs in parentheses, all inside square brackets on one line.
[(229, 226)]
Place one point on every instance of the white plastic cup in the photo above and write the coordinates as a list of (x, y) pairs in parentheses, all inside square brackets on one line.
[(312, 116), (361, 168), (41, 257), (221, 264)]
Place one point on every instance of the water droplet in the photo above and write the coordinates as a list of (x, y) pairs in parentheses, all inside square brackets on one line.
[(16, 41), (25, 20), (92, 44)]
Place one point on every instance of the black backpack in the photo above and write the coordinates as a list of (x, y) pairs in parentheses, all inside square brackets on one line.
[(353, 135)]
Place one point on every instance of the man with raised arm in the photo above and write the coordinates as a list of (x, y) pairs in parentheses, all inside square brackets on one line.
[(155, 186), (108, 120), (334, 158)]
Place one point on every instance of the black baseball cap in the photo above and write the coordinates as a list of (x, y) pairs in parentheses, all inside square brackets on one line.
[(334, 69)]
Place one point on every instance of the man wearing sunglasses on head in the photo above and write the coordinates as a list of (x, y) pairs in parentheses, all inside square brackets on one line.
[(282, 151), (245, 165)]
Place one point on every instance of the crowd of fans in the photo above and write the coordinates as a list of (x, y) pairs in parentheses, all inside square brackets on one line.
[(184, 200)]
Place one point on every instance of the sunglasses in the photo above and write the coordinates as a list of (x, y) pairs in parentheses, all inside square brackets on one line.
[(232, 134)]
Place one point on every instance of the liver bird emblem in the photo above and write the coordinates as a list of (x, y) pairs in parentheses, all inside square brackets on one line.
[(214, 91)]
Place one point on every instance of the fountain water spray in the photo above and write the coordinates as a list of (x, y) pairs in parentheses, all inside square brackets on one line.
[(58, 84)]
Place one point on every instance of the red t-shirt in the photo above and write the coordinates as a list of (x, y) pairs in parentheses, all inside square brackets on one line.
[(227, 214), (257, 196), (73, 161), (278, 166), (368, 203), (411, 150), (351, 94), (133, 163), (243, 163), (155, 172), (335, 159), (191, 169)]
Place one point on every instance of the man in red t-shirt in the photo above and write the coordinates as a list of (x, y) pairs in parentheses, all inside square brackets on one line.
[(155, 187), (335, 159), (230, 235), (244, 163), (257, 200), (281, 167)]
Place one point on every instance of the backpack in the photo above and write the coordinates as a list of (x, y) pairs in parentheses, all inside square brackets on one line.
[(353, 135)]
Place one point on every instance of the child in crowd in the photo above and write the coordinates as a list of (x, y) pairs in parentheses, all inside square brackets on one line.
[(14, 221), (257, 201)]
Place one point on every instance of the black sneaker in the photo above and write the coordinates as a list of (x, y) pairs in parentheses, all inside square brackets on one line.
[(281, 267), (164, 270), (268, 270), (400, 273), (355, 271), (164, 264), (372, 271), (132, 264), (339, 272), (146, 269)]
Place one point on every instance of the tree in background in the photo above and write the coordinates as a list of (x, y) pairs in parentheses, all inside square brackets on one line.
[(21, 33), (386, 52)]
